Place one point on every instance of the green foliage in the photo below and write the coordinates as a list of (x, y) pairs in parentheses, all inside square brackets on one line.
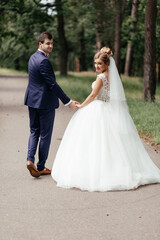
[(74, 25), (21, 21), (136, 39)]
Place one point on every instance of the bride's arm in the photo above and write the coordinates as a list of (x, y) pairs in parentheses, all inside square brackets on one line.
[(93, 94)]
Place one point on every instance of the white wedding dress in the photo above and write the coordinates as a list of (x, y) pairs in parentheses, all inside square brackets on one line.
[(101, 149)]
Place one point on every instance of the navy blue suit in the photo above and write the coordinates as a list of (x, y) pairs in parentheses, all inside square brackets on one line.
[(42, 97)]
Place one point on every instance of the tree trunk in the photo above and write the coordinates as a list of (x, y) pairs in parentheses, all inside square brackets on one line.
[(117, 40), (98, 40), (77, 64), (129, 47), (149, 81), (17, 64), (118, 22), (157, 66), (99, 21), (62, 39), (158, 73), (83, 65)]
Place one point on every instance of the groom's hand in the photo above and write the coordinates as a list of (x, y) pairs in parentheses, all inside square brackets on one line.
[(73, 104)]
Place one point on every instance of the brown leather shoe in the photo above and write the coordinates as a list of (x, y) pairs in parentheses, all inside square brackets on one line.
[(32, 168), (45, 171)]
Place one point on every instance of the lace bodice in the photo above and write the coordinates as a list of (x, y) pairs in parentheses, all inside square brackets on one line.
[(104, 93)]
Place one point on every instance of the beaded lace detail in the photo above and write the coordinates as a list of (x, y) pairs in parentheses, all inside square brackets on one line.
[(104, 93)]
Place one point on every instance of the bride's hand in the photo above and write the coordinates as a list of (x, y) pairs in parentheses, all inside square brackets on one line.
[(79, 105)]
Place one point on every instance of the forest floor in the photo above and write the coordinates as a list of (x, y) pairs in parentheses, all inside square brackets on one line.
[(34, 209)]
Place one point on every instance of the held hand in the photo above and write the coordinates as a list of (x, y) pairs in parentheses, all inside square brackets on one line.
[(73, 105), (79, 105)]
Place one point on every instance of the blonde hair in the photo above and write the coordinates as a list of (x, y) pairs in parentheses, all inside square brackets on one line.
[(104, 55)]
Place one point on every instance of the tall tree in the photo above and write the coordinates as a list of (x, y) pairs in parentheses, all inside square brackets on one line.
[(103, 19), (158, 41), (119, 6), (76, 32), (100, 22), (130, 46), (82, 49), (62, 38), (149, 81)]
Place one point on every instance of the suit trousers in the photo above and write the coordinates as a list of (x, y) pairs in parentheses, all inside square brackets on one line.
[(41, 127)]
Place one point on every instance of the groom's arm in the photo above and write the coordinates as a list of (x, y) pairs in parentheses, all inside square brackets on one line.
[(46, 71)]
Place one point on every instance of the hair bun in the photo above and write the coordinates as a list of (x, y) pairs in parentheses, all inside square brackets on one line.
[(107, 51)]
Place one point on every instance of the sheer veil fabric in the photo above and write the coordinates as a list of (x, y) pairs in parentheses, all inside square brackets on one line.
[(116, 88), (101, 149)]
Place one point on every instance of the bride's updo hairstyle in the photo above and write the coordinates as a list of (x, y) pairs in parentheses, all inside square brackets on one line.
[(104, 55)]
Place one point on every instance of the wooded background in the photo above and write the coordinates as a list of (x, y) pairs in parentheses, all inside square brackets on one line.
[(131, 28)]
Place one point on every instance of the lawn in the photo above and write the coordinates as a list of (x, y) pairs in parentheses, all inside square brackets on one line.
[(6, 71)]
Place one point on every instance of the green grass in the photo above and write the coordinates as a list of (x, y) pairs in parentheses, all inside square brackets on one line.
[(77, 86), (146, 115), (6, 71)]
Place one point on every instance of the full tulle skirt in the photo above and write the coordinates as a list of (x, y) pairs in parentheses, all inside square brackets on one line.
[(101, 151)]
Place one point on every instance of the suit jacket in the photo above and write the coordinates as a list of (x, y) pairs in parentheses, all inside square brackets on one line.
[(42, 90)]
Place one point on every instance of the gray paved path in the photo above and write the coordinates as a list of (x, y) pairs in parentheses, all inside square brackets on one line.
[(35, 209)]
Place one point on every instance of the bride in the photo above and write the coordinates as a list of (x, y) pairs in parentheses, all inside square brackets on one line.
[(101, 149)]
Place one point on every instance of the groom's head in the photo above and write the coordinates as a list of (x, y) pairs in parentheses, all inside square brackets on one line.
[(45, 42)]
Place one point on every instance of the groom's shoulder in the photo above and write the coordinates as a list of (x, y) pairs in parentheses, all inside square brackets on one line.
[(38, 56)]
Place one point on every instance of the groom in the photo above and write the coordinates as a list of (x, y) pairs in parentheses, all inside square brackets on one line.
[(41, 97)]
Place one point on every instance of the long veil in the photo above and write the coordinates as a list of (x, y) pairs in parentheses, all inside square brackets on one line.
[(116, 88), (119, 108)]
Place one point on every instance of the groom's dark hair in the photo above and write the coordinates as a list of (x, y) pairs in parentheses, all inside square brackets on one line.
[(43, 36)]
